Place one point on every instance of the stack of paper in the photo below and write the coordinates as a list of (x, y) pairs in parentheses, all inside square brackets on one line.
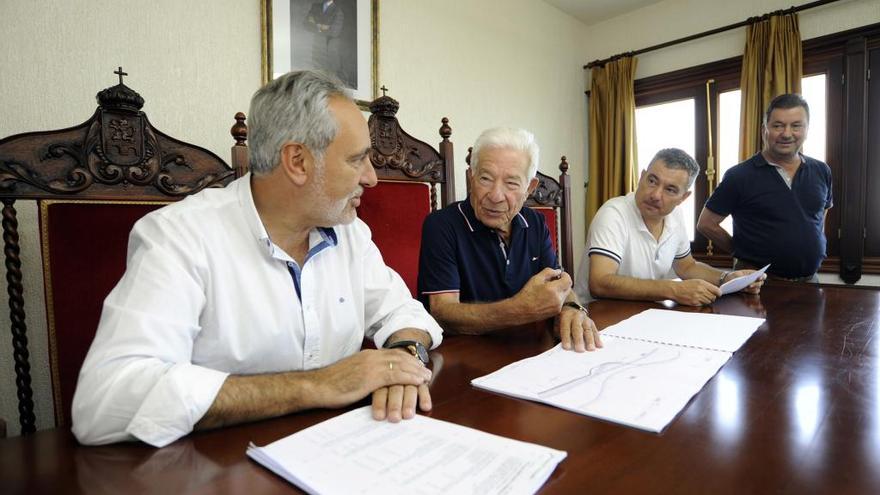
[(355, 454), (649, 368)]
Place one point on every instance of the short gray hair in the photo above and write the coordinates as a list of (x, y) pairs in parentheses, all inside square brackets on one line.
[(293, 107), (508, 138), (676, 158)]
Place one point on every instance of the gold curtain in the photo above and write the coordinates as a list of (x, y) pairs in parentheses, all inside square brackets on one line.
[(613, 161), (772, 65)]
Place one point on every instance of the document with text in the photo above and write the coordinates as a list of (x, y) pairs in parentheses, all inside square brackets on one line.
[(355, 454), (651, 365)]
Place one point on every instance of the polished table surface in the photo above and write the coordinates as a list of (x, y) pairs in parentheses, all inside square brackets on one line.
[(796, 410)]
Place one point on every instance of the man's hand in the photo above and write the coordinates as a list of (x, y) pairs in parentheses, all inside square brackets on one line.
[(694, 292), (576, 330), (544, 293), (399, 402), (370, 371), (754, 287)]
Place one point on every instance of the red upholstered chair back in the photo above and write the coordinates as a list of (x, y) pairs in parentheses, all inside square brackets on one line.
[(84, 248), (409, 172), (552, 199), (91, 182)]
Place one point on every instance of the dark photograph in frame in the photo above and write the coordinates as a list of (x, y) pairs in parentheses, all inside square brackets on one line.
[(337, 36)]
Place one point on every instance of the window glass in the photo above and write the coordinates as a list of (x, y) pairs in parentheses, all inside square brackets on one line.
[(667, 125), (813, 90)]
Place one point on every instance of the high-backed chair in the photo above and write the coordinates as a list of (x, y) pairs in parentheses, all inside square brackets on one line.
[(552, 199), (409, 172), (91, 182)]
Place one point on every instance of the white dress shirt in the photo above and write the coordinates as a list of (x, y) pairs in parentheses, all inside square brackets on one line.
[(619, 232), (207, 294)]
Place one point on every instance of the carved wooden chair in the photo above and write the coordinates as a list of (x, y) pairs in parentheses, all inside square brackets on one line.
[(409, 172), (91, 183), (552, 198)]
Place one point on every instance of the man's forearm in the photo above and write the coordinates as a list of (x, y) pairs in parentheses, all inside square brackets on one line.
[(416, 334), (244, 398), (702, 271), (719, 237), (620, 287), (480, 318)]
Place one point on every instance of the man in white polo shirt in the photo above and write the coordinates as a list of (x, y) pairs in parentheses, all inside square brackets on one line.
[(638, 244)]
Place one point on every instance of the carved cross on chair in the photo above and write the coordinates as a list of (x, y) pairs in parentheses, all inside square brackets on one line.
[(384, 89), (120, 74)]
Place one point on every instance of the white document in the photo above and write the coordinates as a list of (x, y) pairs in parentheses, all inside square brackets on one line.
[(740, 283), (703, 330), (635, 379), (355, 454), (639, 384)]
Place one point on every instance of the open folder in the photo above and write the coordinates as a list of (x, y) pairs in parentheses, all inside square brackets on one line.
[(355, 454), (649, 367)]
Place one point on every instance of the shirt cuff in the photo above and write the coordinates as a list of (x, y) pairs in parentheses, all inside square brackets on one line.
[(422, 322), (175, 404)]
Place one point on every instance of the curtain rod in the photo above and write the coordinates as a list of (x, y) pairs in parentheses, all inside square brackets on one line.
[(710, 32)]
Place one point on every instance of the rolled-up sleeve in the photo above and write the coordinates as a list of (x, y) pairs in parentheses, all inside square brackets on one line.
[(138, 381), (389, 306)]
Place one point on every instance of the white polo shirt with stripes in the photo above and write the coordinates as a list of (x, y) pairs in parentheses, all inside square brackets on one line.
[(619, 232)]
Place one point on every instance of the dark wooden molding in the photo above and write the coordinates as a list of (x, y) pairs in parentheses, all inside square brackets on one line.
[(396, 155)]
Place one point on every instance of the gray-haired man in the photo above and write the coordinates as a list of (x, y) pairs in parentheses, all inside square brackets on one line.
[(252, 301), (638, 243)]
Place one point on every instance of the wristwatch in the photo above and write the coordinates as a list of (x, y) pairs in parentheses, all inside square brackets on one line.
[(577, 306), (413, 347)]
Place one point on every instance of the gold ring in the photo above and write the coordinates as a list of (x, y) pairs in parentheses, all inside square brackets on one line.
[(390, 366)]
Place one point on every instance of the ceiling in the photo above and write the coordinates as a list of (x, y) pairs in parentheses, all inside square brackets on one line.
[(594, 11)]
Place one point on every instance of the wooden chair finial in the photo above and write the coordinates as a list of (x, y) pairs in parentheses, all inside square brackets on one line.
[(239, 129), (119, 73), (563, 165), (445, 130)]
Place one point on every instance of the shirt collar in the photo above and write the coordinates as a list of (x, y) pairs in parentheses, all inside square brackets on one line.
[(670, 222), (317, 236), (473, 224), (763, 162)]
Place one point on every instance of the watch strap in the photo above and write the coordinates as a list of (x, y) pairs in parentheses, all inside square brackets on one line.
[(416, 348), (576, 305)]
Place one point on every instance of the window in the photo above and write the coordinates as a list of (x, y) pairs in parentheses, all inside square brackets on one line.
[(844, 121), (667, 125)]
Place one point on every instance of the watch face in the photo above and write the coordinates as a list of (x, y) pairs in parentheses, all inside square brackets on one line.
[(419, 351)]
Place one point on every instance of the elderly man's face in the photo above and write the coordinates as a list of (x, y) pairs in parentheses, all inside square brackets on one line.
[(346, 170), (499, 186), (660, 190)]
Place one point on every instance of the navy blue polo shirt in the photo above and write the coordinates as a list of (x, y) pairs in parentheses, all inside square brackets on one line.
[(460, 254), (772, 223)]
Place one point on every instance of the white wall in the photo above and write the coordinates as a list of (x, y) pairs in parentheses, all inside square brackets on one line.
[(673, 19), (195, 63), (483, 64)]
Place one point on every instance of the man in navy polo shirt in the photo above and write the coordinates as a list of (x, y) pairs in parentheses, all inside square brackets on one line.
[(487, 263), (778, 199)]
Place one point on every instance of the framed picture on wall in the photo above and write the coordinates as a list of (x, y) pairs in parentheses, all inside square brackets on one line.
[(337, 36)]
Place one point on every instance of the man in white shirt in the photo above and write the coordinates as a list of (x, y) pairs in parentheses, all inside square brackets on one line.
[(253, 301), (638, 243)]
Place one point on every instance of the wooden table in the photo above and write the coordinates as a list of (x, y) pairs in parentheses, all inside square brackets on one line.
[(796, 410)]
